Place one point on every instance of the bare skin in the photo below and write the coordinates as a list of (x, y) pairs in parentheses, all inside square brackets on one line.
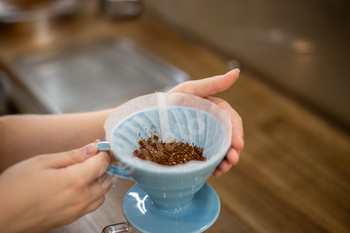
[(210, 86), (43, 188)]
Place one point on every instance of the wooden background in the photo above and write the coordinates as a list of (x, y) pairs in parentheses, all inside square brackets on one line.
[(293, 174)]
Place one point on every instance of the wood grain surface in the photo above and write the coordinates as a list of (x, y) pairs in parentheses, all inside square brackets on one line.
[(293, 174)]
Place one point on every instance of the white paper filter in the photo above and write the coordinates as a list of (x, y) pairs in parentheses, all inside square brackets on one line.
[(172, 116)]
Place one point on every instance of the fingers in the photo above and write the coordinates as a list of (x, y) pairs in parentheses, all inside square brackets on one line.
[(236, 121), (223, 167), (232, 156), (208, 86), (97, 191), (94, 205), (93, 167), (100, 186), (217, 172), (64, 159)]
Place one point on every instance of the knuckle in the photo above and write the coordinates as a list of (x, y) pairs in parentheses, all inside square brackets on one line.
[(79, 183), (80, 207), (69, 220), (39, 159), (75, 155), (99, 202), (74, 213), (103, 198), (237, 121)]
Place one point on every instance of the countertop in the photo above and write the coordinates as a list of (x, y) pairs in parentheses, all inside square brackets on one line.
[(293, 174)]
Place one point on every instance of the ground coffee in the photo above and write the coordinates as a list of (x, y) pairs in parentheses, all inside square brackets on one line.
[(167, 153)]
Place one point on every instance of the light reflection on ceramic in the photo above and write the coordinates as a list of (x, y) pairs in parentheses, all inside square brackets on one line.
[(176, 195), (198, 217), (140, 202), (163, 183)]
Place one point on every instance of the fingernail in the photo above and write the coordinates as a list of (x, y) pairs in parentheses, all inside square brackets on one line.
[(238, 70), (90, 149)]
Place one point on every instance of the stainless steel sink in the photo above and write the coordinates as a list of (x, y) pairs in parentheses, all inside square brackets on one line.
[(90, 77)]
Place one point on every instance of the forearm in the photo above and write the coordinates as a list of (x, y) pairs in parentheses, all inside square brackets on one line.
[(24, 136)]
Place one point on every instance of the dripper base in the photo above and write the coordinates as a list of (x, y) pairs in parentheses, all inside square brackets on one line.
[(145, 216)]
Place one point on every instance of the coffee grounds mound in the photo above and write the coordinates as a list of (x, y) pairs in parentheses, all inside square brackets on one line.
[(168, 153)]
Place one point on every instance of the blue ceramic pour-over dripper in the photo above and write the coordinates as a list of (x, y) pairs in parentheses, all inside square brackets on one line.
[(164, 194)]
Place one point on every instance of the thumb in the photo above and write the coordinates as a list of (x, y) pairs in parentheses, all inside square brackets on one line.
[(64, 159), (208, 86)]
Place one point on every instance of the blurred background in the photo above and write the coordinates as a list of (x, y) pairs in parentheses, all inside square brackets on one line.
[(299, 47), (62, 56)]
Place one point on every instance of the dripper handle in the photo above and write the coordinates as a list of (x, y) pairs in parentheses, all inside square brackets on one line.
[(114, 170)]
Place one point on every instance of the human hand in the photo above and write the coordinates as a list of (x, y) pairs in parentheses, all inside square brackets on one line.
[(51, 190), (210, 86)]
